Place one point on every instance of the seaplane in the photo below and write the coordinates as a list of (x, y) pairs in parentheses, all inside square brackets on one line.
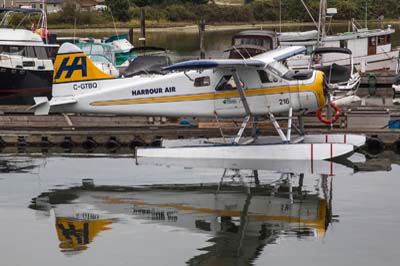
[(257, 87)]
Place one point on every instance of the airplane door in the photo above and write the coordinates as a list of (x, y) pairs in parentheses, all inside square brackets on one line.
[(227, 101)]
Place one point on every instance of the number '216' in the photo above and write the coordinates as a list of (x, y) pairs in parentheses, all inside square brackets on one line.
[(284, 101)]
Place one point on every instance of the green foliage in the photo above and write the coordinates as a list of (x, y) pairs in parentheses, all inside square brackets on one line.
[(142, 3), (265, 10), (152, 13), (179, 13), (194, 10), (119, 9)]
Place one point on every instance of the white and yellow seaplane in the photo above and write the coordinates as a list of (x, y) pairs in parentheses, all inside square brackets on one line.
[(227, 88)]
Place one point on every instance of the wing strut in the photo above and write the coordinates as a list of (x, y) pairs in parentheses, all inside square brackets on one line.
[(245, 105)]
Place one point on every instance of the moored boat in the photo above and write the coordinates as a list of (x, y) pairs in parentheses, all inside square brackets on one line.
[(26, 67)]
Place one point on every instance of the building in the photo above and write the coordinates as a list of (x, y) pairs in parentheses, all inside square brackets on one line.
[(50, 5), (53, 5)]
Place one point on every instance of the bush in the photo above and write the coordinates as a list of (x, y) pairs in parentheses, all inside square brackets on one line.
[(265, 10), (179, 13), (152, 13)]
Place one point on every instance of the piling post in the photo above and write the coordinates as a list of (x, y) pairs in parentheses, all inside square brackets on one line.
[(202, 29), (130, 34), (143, 27)]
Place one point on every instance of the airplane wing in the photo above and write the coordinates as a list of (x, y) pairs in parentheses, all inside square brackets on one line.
[(215, 63), (279, 54), (257, 61)]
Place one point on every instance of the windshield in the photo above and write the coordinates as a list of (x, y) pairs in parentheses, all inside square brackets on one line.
[(278, 68), (20, 20)]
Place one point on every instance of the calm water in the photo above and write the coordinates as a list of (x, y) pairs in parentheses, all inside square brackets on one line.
[(183, 45), (49, 218)]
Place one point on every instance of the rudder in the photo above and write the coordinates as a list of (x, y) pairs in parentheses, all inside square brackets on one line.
[(72, 65)]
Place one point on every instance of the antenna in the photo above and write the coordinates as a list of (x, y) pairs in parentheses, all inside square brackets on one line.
[(366, 14), (280, 16)]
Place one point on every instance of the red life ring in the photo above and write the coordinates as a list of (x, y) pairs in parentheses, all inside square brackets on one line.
[(326, 120)]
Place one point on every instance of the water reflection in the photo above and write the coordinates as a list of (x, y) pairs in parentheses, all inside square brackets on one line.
[(241, 217), (16, 165)]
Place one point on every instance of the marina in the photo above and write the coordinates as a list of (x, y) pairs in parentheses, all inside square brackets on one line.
[(246, 145)]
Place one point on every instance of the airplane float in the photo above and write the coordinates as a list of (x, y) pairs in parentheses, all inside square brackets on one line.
[(260, 86)]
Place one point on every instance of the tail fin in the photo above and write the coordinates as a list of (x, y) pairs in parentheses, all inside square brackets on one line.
[(71, 66)]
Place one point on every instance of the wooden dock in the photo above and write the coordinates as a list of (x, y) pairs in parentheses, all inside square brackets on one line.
[(21, 131)]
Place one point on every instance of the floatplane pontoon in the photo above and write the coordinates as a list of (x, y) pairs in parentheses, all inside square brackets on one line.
[(260, 86)]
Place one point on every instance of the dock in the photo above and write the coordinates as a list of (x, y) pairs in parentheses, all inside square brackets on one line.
[(22, 131)]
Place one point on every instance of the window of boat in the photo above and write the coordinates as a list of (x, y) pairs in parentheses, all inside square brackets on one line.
[(226, 83), (14, 50), (41, 52), (388, 39), (309, 50), (29, 52), (202, 81), (343, 44), (372, 41), (251, 41), (263, 76), (385, 39)]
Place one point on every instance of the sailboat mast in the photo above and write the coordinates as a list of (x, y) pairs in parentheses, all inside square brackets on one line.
[(321, 21)]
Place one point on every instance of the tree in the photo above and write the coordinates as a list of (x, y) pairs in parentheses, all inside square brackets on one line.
[(119, 9), (69, 13)]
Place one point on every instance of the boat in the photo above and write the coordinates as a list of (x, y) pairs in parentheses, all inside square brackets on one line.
[(102, 55), (148, 60), (112, 55), (122, 49), (249, 43), (371, 48), (26, 66)]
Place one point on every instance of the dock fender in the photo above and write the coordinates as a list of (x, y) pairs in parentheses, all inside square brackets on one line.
[(375, 145), (136, 142), (112, 143), (396, 146)]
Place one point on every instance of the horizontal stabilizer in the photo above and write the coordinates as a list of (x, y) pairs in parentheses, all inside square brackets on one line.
[(42, 106), (62, 101)]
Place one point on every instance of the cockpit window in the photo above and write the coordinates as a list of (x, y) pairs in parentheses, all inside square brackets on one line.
[(226, 83), (263, 76), (278, 68), (202, 81)]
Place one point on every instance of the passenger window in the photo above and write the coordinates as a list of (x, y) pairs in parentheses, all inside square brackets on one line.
[(16, 50), (343, 44), (226, 83), (41, 52), (263, 76), (202, 82), (29, 52)]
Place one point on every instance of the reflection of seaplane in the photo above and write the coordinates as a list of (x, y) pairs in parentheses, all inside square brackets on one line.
[(253, 87), (240, 224)]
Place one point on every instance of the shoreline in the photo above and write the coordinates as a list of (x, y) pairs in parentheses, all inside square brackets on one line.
[(193, 28)]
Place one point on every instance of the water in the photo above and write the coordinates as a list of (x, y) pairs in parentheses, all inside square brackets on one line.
[(185, 45), (49, 218)]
